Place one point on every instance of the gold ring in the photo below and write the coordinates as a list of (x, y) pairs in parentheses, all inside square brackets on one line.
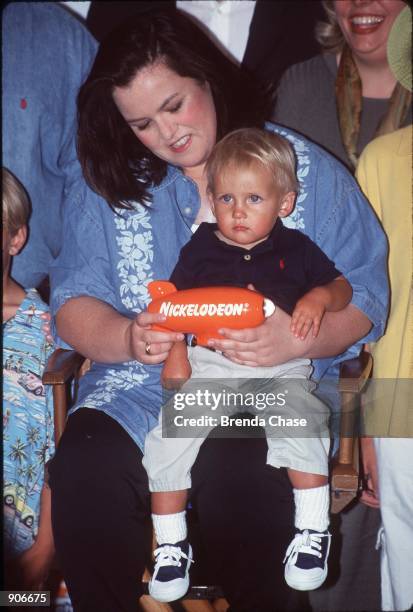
[(148, 348)]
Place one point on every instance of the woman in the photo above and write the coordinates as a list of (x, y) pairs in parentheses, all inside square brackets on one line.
[(387, 452), (158, 97), (346, 96), (341, 99)]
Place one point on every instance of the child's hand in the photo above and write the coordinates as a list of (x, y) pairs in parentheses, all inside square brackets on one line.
[(46, 327), (308, 313), (34, 565)]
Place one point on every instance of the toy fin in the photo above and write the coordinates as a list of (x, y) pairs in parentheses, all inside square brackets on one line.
[(159, 288), (269, 307)]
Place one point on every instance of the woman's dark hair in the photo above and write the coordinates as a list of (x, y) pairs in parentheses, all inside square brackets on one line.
[(115, 163)]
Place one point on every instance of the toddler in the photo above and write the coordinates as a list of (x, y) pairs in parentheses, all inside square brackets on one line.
[(251, 184)]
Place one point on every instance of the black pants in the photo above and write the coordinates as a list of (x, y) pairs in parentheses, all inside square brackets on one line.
[(102, 529)]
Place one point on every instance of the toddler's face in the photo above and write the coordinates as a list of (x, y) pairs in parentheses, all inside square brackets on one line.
[(246, 204)]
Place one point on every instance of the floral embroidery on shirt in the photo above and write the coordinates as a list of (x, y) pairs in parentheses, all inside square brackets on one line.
[(135, 249), (135, 241), (114, 381), (296, 220)]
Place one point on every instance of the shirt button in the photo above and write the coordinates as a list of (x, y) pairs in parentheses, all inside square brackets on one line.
[(247, 257), (187, 210)]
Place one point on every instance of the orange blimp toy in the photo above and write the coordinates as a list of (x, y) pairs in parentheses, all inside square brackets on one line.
[(203, 311)]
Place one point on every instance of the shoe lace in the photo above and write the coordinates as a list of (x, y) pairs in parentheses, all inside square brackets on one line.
[(304, 543), (169, 555)]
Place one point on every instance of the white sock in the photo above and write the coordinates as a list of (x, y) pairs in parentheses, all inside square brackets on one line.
[(312, 508), (169, 528)]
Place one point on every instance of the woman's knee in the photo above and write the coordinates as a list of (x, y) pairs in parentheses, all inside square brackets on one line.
[(98, 483)]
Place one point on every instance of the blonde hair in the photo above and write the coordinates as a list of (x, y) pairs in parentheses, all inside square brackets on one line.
[(16, 205), (328, 33), (247, 145)]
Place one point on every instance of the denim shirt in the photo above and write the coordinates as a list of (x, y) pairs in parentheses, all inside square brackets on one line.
[(112, 257), (47, 54)]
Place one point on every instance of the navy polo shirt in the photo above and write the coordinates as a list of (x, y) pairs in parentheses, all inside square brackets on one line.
[(283, 267)]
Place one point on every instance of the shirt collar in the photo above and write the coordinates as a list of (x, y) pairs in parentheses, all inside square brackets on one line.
[(225, 7)]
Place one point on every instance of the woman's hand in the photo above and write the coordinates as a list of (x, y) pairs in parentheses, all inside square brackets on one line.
[(266, 345), (258, 346), (147, 345), (99, 332), (272, 343)]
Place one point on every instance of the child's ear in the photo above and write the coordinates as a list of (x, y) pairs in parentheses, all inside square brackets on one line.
[(287, 204), (18, 240), (211, 201)]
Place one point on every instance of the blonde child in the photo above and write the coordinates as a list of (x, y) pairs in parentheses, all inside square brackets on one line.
[(27, 412), (252, 185)]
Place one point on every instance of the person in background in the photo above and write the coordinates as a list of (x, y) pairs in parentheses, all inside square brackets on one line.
[(347, 95), (341, 99), (264, 37), (159, 96), (385, 175), (46, 54), (27, 411)]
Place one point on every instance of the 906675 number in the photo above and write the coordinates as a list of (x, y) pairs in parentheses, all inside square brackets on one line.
[(24, 598)]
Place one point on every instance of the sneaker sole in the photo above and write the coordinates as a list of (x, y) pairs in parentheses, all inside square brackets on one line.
[(311, 585), (166, 596), (173, 591)]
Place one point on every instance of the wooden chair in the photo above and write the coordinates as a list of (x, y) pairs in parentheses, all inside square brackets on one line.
[(345, 479), (65, 367)]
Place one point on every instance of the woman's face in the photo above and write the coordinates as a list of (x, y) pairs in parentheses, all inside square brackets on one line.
[(366, 25), (173, 116)]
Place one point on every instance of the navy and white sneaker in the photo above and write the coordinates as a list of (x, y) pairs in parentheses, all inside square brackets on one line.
[(306, 559), (170, 579)]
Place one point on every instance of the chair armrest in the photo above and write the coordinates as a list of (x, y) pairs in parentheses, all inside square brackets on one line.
[(61, 366), (354, 373)]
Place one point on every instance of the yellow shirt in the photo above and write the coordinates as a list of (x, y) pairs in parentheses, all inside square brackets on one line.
[(385, 175)]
